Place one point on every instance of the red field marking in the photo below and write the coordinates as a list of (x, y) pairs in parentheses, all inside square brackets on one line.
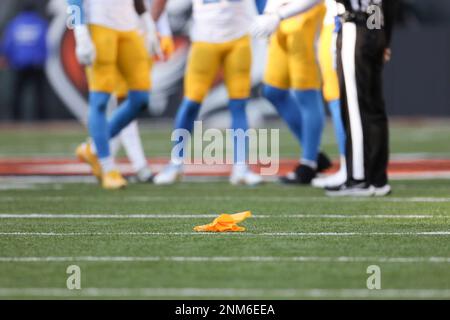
[(72, 167)]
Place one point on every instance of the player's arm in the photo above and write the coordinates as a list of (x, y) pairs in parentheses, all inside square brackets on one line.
[(157, 9), (85, 49), (159, 14), (165, 35), (267, 23), (389, 11), (149, 28)]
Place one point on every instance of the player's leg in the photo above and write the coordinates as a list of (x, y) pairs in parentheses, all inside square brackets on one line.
[(327, 58), (114, 144), (134, 67), (130, 138), (131, 141), (365, 118), (203, 65), (277, 85), (369, 63), (101, 78), (305, 81), (237, 68), (132, 63)]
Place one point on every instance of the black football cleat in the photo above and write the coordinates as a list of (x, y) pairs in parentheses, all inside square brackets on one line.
[(351, 189), (323, 162), (303, 175)]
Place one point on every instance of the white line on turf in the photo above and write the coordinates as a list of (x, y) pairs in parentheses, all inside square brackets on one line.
[(245, 234), (256, 259), (199, 216), (286, 199), (226, 293)]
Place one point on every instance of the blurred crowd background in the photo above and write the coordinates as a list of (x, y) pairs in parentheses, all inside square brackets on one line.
[(417, 79)]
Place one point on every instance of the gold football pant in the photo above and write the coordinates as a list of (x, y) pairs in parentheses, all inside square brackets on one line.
[(207, 59)]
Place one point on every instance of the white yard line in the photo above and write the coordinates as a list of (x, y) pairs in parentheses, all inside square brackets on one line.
[(264, 199), (201, 216), (105, 216), (252, 259), (212, 234), (225, 293)]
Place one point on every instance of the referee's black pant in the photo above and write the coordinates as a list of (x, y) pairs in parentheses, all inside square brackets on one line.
[(360, 68)]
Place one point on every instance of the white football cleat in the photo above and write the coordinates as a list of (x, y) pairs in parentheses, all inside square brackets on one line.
[(245, 177), (171, 174), (351, 189), (382, 191), (331, 181)]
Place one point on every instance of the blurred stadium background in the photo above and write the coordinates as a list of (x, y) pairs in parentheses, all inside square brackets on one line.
[(41, 124), (416, 81)]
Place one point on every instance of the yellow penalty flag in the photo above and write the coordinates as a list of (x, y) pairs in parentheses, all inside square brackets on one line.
[(225, 223)]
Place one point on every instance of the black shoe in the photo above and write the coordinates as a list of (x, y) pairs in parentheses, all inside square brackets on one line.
[(352, 189), (303, 174), (323, 162)]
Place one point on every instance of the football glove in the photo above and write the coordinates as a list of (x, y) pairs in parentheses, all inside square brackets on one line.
[(167, 46), (85, 49), (151, 36), (264, 25)]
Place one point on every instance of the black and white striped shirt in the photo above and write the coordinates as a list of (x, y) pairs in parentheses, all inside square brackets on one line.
[(356, 6), (362, 6)]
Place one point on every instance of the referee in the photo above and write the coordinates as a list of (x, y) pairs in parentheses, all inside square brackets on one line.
[(363, 49)]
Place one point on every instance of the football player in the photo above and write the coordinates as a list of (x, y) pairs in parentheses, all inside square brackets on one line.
[(109, 43), (292, 83), (220, 39), (129, 136), (331, 94)]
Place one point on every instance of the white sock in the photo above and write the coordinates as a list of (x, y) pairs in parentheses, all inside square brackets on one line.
[(309, 163), (131, 141), (114, 146), (107, 164), (176, 161), (92, 145), (240, 169), (343, 163)]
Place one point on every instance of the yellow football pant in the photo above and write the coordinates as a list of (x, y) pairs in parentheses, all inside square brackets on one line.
[(121, 91), (327, 58), (205, 61), (119, 54), (292, 61)]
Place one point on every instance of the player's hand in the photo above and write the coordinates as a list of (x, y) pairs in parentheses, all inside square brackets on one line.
[(167, 46), (151, 36), (85, 49), (387, 55), (265, 25)]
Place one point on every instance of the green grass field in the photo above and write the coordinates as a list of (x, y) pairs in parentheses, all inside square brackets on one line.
[(61, 139), (139, 242)]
